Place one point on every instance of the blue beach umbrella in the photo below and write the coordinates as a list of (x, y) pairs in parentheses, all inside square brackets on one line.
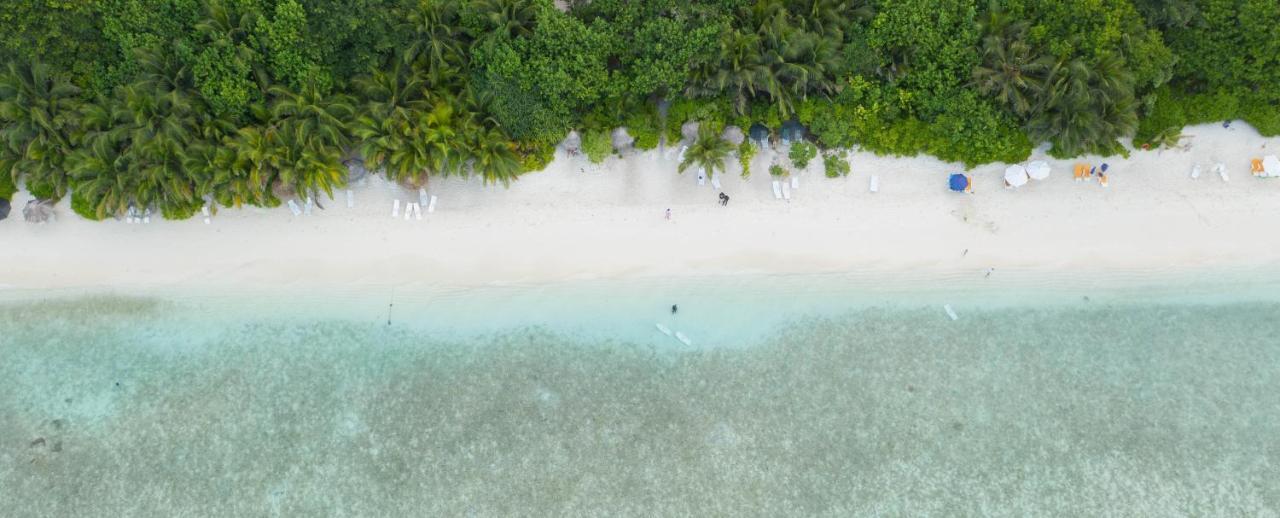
[(959, 182), (1104, 168)]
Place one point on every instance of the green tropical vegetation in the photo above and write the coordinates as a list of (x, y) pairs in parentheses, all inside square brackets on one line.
[(172, 104)]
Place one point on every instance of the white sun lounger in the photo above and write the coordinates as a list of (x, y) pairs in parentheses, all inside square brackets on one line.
[(129, 215), (431, 206), (1221, 170), (715, 181), (205, 211), (777, 190), (786, 191), (702, 178), (795, 182), (875, 184), (293, 207), (351, 199), (417, 211), (408, 210), (423, 199), (395, 208), (146, 216), (306, 209), (1195, 172)]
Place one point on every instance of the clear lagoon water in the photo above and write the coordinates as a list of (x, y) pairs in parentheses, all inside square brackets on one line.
[(1138, 394)]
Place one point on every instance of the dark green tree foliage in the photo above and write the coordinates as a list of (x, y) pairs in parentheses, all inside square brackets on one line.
[(167, 104)]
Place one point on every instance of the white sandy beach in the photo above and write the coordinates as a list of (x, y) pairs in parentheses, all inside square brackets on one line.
[(580, 221)]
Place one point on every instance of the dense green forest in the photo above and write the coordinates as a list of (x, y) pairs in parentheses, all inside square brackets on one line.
[(167, 103)]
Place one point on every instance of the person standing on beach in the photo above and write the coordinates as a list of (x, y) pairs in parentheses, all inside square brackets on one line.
[(668, 214), (725, 200)]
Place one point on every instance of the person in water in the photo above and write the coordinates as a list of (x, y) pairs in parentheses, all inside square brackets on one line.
[(674, 308)]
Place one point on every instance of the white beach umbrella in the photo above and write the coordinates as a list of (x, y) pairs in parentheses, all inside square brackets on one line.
[(1038, 170), (1271, 165), (1016, 175)]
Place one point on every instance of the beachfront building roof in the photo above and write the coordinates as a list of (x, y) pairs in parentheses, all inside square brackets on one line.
[(4, 208), (355, 169)]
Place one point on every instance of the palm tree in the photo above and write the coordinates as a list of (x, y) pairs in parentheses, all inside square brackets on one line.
[(313, 114), (37, 114), (493, 156), (102, 178), (385, 128), (1086, 108), (509, 18), (707, 152), (435, 43), (1011, 71)]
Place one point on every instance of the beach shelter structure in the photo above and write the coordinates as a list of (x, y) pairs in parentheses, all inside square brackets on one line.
[(959, 182), (355, 170), (1015, 175), (759, 133), (689, 132), (572, 142), (1271, 166), (37, 211), (622, 140), (791, 131), (4, 208), (733, 135), (1038, 170)]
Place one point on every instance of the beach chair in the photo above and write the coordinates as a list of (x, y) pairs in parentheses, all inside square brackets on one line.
[(306, 209), (795, 182), (786, 191), (417, 211), (777, 190), (875, 184), (1195, 171), (1080, 172), (395, 208), (1255, 167), (351, 199), (702, 178), (423, 199), (146, 216), (205, 212), (293, 207), (1221, 170), (715, 181), (431, 205)]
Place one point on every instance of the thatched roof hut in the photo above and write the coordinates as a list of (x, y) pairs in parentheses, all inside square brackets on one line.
[(622, 141), (38, 211), (760, 134), (689, 132), (4, 208), (572, 142), (733, 134)]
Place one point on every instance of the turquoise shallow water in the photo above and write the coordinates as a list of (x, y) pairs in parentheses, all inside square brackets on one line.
[(806, 395)]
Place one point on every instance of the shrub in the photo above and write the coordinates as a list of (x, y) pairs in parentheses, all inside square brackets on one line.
[(801, 153), (82, 206), (835, 165), (42, 191), (776, 170), (597, 145), (7, 188), (746, 151)]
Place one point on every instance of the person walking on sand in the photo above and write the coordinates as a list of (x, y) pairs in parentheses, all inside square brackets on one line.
[(668, 214), (725, 200)]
